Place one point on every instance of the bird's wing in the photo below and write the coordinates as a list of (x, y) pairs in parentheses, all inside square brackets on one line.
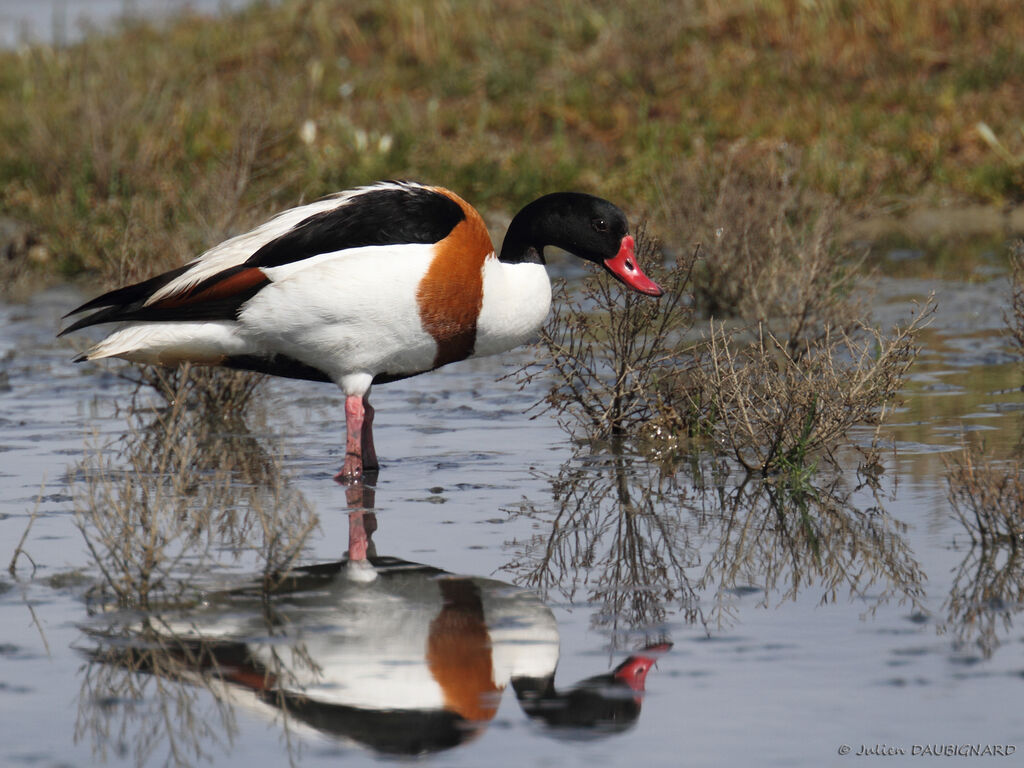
[(216, 284)]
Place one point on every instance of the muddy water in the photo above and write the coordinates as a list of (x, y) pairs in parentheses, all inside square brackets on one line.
[(850, 619)]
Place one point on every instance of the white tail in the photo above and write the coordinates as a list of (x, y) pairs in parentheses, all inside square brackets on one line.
[(172, 343)]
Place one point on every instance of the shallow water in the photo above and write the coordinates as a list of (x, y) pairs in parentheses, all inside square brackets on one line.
[(785, 645), (61, 22)]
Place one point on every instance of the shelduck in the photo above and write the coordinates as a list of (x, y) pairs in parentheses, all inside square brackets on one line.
[(364, 287), (415, 662)]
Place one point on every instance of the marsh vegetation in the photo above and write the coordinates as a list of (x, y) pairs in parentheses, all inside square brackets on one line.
[(762, 351), (123, 171), (719, 462)]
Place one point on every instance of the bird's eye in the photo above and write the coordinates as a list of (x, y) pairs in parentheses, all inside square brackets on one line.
[(600, 225)]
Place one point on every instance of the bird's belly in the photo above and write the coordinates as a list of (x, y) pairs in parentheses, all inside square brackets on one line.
[(341, 324), (340, 343)]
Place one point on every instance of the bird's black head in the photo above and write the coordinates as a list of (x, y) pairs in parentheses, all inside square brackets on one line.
[(585, 226)]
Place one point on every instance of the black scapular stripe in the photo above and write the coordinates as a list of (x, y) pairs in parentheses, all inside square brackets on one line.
[(129, 303), (127, 299), (392, 216)]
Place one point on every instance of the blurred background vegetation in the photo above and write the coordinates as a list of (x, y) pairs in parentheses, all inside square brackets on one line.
[(135, 150)]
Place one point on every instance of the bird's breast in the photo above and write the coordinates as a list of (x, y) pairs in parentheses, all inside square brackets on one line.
[(516, 301), (450, 295)]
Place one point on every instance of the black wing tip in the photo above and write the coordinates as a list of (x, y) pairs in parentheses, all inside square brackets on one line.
[(97, 317), (91, 304), (130, 296), (80, 358)]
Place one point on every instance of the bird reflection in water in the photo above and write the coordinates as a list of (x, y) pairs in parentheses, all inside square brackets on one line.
[(396, 656)]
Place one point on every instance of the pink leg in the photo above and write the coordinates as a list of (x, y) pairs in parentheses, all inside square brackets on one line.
[(369, 454), (358, 536), (352, 470), (362, 522)]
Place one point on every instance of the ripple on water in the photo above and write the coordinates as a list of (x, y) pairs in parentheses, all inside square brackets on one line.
[(457, 491)]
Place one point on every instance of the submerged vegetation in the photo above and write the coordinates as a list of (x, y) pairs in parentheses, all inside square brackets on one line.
[(985, 492), (184, 492)]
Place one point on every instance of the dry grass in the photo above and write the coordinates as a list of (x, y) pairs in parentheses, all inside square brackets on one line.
[(132, 152)]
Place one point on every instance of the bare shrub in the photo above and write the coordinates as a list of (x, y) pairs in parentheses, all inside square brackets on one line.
[(183, 489), (771, 410), (1015, 320), (610, 351), (798, 369), (199, 386), (771, 256), (987, 497)]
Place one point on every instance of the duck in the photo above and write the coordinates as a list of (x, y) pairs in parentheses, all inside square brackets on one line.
[(363, 287), (605, 704), (415, 662)]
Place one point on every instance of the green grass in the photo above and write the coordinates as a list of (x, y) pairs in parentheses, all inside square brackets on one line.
[(133, 151)]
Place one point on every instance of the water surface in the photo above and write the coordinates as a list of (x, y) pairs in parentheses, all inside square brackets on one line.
[(62, 22), (500, 540)]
